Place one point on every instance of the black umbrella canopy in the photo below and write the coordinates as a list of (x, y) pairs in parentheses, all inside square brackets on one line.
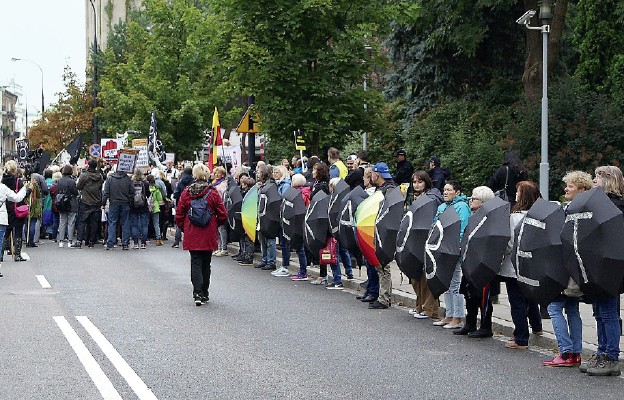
[(412, 237), (538, 252), (485, 241), (316, 227), (269, 205), (592, 243), (346, 230), (387, 226), (442, 251), (233, 204), (293, 215), (340, 191)]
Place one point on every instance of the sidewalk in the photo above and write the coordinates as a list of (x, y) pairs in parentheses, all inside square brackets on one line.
[(403, 296)]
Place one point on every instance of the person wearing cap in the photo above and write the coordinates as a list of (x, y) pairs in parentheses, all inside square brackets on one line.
[(438, 174), (404, 169), (356, 175), (382, 180), (337, 169), (90, 185)]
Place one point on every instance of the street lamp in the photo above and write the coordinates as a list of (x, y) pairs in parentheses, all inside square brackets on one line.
[(95, 49), (38, 66), (369, 50), (545, 14)]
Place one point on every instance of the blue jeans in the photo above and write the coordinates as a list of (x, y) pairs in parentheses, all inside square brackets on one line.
[(568, 340), (345, 258), (31, 231), (2, 232), (118, 213), (285, 247), (303, 261), (269, 252), (520, 309), (156, 223), (53, 230), (608, 327), (453, 300), (138, 226), (373, 281)]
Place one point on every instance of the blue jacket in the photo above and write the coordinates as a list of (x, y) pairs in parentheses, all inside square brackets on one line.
[(282, 186), (463, 210)]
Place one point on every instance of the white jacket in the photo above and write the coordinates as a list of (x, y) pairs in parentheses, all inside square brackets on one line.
[(8, 194), (507, 269)]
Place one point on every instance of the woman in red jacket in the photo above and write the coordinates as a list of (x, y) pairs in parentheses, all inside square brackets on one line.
[(200, 241)]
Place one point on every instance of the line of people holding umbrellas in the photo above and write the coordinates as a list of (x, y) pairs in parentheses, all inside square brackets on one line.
[(448, 244)]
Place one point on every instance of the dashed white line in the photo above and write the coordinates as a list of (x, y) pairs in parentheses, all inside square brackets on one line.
[(135, 382), (104, 385), (43, 281)]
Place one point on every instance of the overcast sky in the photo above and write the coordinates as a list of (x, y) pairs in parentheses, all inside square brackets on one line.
[(50, 33)]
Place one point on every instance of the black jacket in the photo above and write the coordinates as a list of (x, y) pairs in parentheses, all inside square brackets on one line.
[(67, 184), (356, 177), (497, 181), (403, 173), (185, 180), (439, 176)]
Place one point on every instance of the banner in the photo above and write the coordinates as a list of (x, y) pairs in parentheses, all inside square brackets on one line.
[(230, 155), (127, 160), (22, 152), (110, 148), (141, 145)]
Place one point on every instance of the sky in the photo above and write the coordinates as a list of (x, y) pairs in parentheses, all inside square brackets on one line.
[(50, 33)]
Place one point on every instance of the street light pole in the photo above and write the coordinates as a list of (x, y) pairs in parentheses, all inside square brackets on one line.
[(369, 50), (545, 15), (38, 66), (95, 93)]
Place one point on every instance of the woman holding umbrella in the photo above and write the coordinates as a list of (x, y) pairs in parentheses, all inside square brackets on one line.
[(281, 175), (527, 193), (606, 310), (426, 305), (320, 182), (569, 333), (299, 182), (453, 300)]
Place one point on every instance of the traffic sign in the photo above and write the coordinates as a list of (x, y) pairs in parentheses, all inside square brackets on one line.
[(95, 150), (299, 141), (250, 123)]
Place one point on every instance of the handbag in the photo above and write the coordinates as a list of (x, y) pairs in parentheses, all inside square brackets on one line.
[(503, 192), (23, 210), (328, 254)]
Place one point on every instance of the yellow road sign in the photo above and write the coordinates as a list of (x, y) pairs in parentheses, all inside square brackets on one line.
[(250, 122)]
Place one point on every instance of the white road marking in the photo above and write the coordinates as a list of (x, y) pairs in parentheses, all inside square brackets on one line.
[(43, 281), (98, 377), (135, 382)]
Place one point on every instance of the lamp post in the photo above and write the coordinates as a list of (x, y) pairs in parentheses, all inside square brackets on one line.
[(38, 66), (369, 50), (545, 14), (95, 93)]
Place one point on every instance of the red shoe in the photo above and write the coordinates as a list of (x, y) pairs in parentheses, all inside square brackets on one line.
[(560, 362)]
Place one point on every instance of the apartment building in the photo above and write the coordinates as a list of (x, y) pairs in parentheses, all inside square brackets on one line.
[(101, 16)]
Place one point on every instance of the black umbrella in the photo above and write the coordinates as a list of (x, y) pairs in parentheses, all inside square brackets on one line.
[(484, 242), (592, 243), (233, 204), (442, 251), (412, 237), (293, 215), (346, 230), (316, 226), (538, 253), (387, 226), (269, 205), (340, 191)]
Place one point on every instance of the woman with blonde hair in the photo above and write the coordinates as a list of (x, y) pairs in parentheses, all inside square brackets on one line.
[(7, 194), (220, 184)]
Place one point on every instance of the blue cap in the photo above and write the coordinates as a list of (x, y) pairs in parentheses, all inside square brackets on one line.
[(382, 169)]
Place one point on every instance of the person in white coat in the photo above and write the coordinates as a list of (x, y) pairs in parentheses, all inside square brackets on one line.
[(7, 193)]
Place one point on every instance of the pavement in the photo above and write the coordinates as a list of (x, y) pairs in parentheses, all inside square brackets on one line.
[(403, 296)]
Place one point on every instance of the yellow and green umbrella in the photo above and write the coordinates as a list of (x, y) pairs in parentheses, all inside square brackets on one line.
[(249, 212)]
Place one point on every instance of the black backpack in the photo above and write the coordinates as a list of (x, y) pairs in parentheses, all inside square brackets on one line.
[(139, 199), (62, 202), (199, 213)]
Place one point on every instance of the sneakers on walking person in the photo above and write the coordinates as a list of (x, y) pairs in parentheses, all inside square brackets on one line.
[(421, 315), (246, 263), (605, 367), (136, 246), (143, 246), (175, 245), (77, 245), (218, 253), (197, 299), (299, 277), (281, 272), (319, 281), (269, 267), (334, 286), (60, 244)]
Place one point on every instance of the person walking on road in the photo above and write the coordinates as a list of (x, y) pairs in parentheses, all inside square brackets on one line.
[(186, 178), (200, 241), (118, 191), (89, 214), (67, 217)]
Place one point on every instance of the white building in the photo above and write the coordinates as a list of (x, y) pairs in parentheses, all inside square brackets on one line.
[(108, 13)]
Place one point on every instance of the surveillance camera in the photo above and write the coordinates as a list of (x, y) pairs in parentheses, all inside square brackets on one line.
[(526, 17)]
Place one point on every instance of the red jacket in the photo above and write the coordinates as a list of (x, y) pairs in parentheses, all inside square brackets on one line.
[(200, 237)]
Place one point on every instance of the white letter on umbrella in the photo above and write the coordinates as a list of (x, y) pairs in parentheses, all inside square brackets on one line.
[(409, 215), (430, 247), (576, 217), (527, 254), (474, 231)]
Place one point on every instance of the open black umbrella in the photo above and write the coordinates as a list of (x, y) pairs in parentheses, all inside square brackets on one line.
[(412, 237), (346, 230), (340, 191), (538, 253), (233, 204), (387, 226), (592, 243), (293, 215), (442, 251), (316, 227), (484, 242), (269, 205)]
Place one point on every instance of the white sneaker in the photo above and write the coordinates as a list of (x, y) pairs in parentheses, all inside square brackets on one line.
[(421, 315), (281, 272), (61, 244), (218, 253), (412, 312)]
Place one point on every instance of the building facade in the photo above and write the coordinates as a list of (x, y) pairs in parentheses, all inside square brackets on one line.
[(108, 13), (8, 131)]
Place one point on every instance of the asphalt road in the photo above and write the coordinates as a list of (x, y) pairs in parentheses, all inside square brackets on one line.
[(258, 337)]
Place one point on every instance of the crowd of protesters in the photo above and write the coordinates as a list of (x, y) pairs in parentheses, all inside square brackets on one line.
[(98, 205)]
